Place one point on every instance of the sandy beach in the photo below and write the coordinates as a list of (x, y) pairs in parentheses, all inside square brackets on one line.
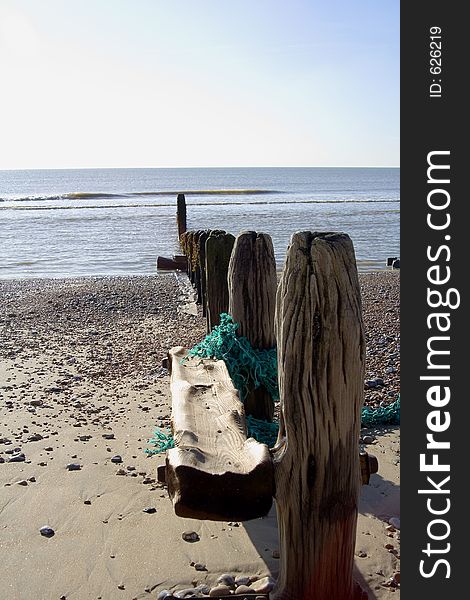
[(81, 391)]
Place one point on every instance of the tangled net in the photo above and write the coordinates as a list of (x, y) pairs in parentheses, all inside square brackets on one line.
[(251, 368)]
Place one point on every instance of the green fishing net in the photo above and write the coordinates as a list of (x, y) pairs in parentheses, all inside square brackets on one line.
[(250, 368)]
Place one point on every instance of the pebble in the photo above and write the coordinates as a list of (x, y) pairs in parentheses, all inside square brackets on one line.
[(190, 536), (264, 585), (275, 554), (22, 482), (219, 590), (226, 579), (200, 567), (47, 531), (368, 439), (242, 580), (164, 594), (35, 437), (243, 589), (150, 510), (395, 522), (121, 472), (116, 459), (18, 458), (110, 436), (362, 554), (73, 467)]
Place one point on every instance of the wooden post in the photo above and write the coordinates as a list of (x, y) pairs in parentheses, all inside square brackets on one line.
[(252, 287), (181, 214), (321, 366), (218, 249), (202, 265)]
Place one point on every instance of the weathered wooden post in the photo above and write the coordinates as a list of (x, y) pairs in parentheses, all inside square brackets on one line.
[(181, 214), (218, 250), (321, 365), (202, 264), (252, 284)]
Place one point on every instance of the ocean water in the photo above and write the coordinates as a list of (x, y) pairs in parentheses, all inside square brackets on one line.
[(67, 223)]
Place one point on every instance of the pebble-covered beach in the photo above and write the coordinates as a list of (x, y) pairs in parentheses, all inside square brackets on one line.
[(82, 388)]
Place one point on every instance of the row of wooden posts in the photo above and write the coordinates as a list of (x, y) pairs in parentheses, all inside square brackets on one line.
[(314, 317)]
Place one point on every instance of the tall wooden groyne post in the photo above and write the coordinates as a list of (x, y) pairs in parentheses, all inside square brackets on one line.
[(181, 214), (252, 287), (321, 368)]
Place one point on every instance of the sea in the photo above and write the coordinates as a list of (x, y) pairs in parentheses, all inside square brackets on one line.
[(100, 222)]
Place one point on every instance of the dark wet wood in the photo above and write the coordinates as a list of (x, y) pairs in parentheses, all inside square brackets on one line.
[(218, 250)]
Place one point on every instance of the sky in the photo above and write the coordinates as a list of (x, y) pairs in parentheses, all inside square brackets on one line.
[(198, 83)]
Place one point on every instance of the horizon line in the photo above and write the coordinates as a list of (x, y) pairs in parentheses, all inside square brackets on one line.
[(205, 167)]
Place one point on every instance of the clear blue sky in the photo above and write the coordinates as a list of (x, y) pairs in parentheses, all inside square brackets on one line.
[(160, 83)]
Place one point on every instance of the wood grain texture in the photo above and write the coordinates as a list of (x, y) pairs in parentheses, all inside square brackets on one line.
[(218, 250), (321, 365), (214, 472), (252, 284)]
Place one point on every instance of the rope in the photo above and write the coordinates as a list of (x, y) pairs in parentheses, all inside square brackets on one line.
[(248, 367)]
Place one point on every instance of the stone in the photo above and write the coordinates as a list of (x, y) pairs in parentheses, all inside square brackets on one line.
[(116, 459), (164, 594), (110, 436), (35, 437), (200, 567), (263, 585), (242, 580), (219, 590), (368, 439), (18, 458), (36, 402), (362, 554), (275, 554), (73, 467), (121, 472), (243, 589), (186, 593), (395, 522), (190, 536), (47, 531), (22, 482), (226, 579), (150, 510)]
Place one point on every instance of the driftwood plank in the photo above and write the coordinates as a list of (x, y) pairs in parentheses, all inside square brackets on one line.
[(252, 287), (321, 364), (214, 472), (218, 250)]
